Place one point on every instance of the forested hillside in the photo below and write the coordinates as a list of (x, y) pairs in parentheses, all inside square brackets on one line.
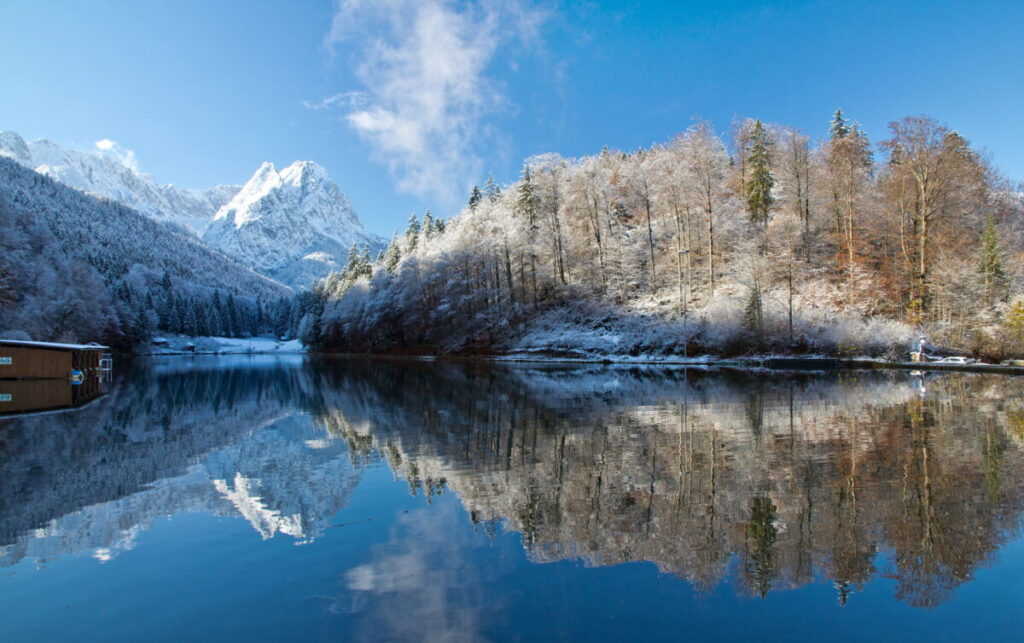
[(764, 241), (74, 267)]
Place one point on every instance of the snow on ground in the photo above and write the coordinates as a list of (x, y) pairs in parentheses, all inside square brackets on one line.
[(588, 334), (178, 345)]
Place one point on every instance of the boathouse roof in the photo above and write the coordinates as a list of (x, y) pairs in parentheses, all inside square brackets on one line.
[(53, 345)]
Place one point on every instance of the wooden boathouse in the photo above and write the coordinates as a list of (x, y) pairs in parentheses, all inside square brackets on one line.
[(47, 360)]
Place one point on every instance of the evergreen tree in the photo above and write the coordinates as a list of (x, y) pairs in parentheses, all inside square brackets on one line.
[(474, 198), (991, 264), (178, 317), (214, 322), (141, 318), (282, 318), (1013, 324), (151, 310), (753, 314), (428, 225), (759, 188), (165, 311), (527, 201), (491, 189), (352, 265), (412, 232), (232, 326), (839, 127), (392, 255), (861, 146), (202, 319), (261, 314), (223, 323)]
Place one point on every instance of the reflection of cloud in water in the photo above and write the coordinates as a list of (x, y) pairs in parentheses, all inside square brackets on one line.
[(420, 585)]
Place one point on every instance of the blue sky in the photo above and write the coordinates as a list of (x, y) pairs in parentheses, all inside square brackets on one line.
[(408, 101)]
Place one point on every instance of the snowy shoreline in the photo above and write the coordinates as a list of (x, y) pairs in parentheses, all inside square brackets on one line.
[(808, 363), (221, 346), (768, 362)]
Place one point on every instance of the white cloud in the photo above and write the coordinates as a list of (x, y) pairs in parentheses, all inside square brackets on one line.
[(344, 99), (111, 149), (426, 92)]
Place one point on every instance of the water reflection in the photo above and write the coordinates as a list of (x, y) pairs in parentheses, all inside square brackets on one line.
[(761, 482)]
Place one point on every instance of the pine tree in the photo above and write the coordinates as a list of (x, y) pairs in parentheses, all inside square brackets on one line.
[(527, 200), (861, 146), (202, 319), (214, 322), (352, 265), (177, 324), (1013, 326), (261, 314), (759, 188), (491, 189), (412, 232), (991, 264), (428, 226), (189, 323), (474, 198), (839, 128), (232, 320), (282, 313), (527, 205), (221, 315), (151, 310), (753, 314), (165, 311), (392, 255)]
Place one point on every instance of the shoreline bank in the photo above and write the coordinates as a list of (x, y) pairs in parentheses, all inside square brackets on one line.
[(770, 363)]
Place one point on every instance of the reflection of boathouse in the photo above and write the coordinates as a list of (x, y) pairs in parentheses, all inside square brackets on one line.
[(42, 376), (33, 396)]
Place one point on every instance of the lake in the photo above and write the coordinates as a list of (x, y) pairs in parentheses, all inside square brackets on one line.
[(291, 498)]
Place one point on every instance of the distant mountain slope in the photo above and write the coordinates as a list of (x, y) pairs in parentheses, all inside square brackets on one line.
[(294, 225), (97, 174), (113, 238)]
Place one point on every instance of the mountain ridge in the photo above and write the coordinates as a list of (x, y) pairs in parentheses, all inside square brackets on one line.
[(294, 225), (101, 175)]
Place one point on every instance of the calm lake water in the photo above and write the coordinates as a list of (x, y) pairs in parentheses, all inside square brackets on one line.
[(264, 498)]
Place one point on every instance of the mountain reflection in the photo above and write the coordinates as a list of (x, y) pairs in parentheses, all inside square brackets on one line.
[(767, 482)]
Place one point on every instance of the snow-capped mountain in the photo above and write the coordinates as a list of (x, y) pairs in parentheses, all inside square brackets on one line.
[(294, 225), (109, 176)]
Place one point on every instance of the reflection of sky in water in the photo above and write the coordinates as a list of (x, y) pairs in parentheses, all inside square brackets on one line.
[(443, 502), (420, 584)]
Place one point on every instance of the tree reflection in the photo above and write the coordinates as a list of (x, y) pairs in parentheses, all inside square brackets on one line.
[(845, 476), (761, 533), (795, 476)]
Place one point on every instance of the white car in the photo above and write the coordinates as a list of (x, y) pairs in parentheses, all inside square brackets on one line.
[(955, 360)]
